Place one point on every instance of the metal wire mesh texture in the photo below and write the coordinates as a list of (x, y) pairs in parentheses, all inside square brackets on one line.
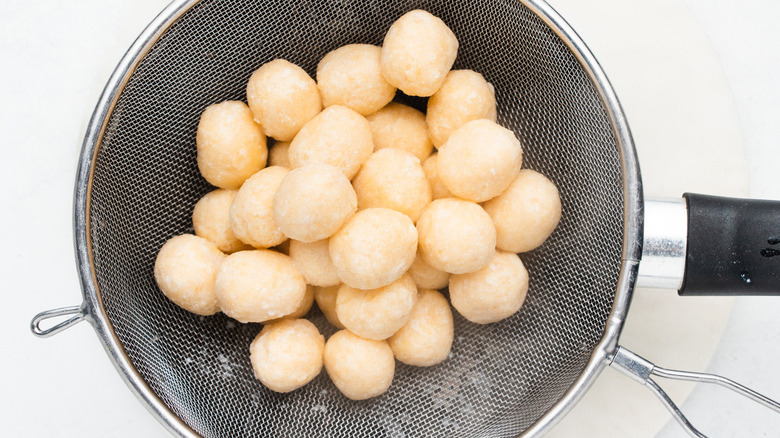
[(501, 378)]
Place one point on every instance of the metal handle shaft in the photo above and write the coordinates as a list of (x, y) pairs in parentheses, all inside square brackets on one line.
[(640, 370), (664, 244)]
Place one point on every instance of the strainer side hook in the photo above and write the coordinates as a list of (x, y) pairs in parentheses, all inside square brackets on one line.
[(77, 313), (640, 369)]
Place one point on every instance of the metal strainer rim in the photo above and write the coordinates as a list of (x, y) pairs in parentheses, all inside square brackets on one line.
[(94, 312)]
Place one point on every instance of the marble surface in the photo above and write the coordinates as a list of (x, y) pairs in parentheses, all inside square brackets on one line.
[(57, 57)]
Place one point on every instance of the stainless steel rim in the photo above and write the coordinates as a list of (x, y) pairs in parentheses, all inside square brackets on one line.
[(633, 214), (93, 306), (632, 237)]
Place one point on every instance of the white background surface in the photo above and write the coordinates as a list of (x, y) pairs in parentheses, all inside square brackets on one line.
[(747, 39), (57, 56)]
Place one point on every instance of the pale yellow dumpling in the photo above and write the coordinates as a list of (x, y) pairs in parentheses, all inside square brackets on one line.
[(326, 301), (338, 136), (376, 313), (251, 214), (464, 96), (278, 156), (313, 260), (360, 368), (526, 213), (456, 236), (231, 147), (287, 354), (259, 285), (493, 293), (303, 307), (426, 338), (306, 303), (185, 271), (211, 220), (479, 160), (401, 127), (374, 248), (394, 179), (426, 276), (431, 168), (312, 202), (283, 98), (417, 53), (350, 76)]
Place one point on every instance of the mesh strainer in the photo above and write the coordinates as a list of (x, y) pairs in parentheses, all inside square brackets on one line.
[(138, 181)]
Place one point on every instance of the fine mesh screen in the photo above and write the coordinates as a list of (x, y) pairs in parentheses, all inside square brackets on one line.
[(500, 377)]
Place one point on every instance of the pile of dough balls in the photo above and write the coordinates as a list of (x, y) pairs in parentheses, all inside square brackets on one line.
[(368, 207)]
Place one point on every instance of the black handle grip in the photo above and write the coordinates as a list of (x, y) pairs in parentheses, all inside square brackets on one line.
[(733, 246)]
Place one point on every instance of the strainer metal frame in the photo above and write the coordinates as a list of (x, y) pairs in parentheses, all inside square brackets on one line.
[(633, 217), (92, 309)]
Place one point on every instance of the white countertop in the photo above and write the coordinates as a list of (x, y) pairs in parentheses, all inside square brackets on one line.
[(57, 56), (746, 37)]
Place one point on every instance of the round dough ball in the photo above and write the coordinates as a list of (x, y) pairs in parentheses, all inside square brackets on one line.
[(211, 220), (185, 271), (464, 96), (252, 215), (306, 303), (259, 285), (231, 146), (287, 354), (326, 301), (337, 136), (350, 76), (313, 260), (360, 368), (494, 292), (456, 236), (426, 276), (283, 98), (417, 53), (376, 313), (479, 160), (426, 339), (278, 155), (313, 201), (374, 248), (401, 127), (303, 307), (431, 168), (394, 179), (526, 213)]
